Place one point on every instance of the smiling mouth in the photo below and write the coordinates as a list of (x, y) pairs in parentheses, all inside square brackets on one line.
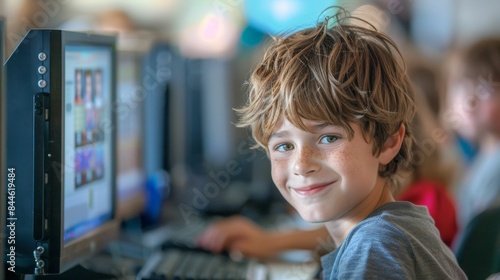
[(312, 190)]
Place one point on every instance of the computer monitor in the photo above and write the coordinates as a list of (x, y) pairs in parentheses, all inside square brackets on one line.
[(131, 177), (156, 78), (60, 150), (203, 136), (156, 74)]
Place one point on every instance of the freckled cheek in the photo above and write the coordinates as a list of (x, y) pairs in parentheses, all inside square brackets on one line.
[(343, 162), (279, 172)]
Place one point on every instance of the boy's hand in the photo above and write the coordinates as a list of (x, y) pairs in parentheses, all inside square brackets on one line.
[(237, 234)]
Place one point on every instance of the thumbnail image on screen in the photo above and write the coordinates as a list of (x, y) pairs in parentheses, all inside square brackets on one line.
[(88, 189), (88, 112)]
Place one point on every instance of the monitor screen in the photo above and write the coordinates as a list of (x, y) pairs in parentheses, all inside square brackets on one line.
[(87, 180), (60, 146)]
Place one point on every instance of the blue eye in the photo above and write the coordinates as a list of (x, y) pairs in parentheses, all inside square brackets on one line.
[(284, 147), (328, 139)]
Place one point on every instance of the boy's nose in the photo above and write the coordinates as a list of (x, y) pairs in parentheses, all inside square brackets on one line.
[(305, 162)]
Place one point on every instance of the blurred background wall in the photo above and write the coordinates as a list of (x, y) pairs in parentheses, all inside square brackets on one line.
[(218, 25), (223, 39)]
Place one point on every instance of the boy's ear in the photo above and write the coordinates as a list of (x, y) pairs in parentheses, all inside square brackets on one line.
[(392, 145)]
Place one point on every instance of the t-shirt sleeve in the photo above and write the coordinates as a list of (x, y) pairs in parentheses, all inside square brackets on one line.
[(376, 251)]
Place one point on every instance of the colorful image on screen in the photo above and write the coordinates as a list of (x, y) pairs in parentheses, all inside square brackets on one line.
[(89, 139)]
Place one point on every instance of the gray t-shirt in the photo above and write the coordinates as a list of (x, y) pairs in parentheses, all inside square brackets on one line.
[(397, 241)]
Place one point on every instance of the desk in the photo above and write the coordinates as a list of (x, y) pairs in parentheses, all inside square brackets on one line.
[(292, 271)]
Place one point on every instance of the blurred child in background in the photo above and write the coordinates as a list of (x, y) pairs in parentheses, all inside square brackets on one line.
[(479, 82)]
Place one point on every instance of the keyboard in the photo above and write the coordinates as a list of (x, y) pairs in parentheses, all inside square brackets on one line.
[(194, 264)]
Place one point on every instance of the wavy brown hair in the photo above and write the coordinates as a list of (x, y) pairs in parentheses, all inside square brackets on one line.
[(346, 73)]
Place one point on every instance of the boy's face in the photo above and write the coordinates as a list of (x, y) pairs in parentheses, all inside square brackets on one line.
[(322, 174)]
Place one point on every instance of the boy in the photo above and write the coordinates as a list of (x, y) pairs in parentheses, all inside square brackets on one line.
[(332, 108)]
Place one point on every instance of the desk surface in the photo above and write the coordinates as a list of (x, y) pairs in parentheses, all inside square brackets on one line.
[(292, 271)]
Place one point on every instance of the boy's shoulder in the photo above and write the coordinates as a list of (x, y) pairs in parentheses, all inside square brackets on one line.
[(393, 223), (375, 242), (397, 239)]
